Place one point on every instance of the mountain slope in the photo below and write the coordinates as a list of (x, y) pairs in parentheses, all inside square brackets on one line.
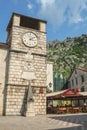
[(68, 54)]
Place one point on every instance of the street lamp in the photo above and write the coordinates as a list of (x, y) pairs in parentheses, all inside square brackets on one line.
[(50, 84)]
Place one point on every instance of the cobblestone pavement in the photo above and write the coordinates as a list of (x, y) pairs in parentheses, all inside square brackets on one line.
[(48, 122)]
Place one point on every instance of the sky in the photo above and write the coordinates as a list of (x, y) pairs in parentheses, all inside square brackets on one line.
[(65, 18)]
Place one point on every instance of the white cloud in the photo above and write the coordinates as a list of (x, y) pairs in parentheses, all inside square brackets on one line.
[(59, 11), (44, 3), (30, 6), (76, 19)]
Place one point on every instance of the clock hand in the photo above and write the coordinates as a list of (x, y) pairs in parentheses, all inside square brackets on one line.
[(31, 38)]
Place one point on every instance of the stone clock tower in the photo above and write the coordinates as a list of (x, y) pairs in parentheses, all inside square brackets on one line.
[(26, 62)]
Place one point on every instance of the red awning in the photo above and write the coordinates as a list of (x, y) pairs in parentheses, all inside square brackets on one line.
[(69, 92)]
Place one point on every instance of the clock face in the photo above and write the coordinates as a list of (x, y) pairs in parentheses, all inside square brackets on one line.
[(30, 39)]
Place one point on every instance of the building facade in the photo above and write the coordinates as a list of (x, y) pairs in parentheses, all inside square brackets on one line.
[(78, 79), (3, 55), (50, 76), (23, 61)]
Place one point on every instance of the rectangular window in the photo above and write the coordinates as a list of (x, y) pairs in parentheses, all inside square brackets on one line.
[(76, 81), (82, 89), (75, 72), (82, 78), (72, 82)]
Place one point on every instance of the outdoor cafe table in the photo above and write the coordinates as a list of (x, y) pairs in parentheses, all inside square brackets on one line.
[(68, 109), (75, 109), (62, 110)]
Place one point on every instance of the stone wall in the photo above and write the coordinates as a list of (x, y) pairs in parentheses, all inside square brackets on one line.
[(16, 86), (1, 100), (16, 100), (3, 54), (40, 101)]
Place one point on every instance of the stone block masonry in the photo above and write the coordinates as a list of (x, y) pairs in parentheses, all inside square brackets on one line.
[(1, 100), (17, 100), (3, 55), (17, 87), (40, 101)]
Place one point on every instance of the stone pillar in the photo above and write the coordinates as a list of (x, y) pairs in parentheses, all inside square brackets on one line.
[(16, 20), (42, 27)]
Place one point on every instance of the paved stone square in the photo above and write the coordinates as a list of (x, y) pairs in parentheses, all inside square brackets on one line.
[(48, 122)]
